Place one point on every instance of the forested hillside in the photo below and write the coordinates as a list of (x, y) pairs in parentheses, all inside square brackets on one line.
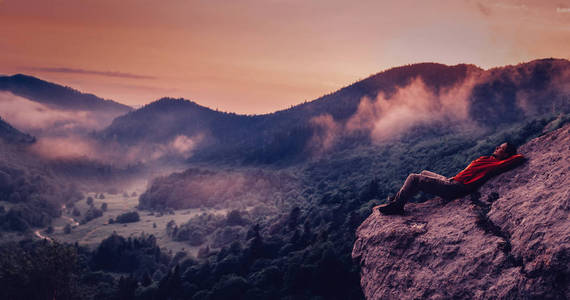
[(267, 206), (56, 95), (360, 114), (302, 253)]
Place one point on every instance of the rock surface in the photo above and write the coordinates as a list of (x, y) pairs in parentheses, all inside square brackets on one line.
[(509, 240)]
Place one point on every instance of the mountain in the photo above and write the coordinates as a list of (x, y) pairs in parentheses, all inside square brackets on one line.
[(167, 118), (284, 193), (509, 240), (33, 187), (10, 134), (487, 98), (513, 93), (57, 96)]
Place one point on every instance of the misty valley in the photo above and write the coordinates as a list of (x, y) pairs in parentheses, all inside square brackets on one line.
[(175, 200)]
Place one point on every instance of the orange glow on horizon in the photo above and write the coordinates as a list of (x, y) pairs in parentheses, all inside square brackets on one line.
[(261, 56)]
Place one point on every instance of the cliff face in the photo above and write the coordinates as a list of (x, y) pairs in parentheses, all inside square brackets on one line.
[(509, 240)]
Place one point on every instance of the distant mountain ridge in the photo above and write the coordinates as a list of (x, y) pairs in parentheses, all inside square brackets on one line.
[(166, 118), (435, 75), (285, 134), (269, 137), (57, 96), (500, 96)]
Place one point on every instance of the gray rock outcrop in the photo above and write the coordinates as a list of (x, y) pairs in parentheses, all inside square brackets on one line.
[(509, 240)]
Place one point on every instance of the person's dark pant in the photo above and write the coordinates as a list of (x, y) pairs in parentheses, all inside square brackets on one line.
[(431, 183)]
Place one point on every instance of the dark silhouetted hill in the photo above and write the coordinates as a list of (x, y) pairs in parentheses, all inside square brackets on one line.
[(57, 96), (167, 118), (500, 96), (512, 93), (9, 134)]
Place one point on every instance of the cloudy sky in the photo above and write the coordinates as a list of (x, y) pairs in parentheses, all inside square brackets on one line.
[(260, 56)]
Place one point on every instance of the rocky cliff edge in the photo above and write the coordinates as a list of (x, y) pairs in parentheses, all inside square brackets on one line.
[(509, 240)]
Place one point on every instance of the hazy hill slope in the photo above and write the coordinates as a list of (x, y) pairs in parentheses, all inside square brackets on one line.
[(508, 241), (9, 134), (56, 95), (163, 119), (293, 236), (495, 97), (45, 109), (514, 93), (185, 115), (344, 102), (31, 194)]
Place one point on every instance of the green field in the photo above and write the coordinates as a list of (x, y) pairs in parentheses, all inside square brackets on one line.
[(93, 232)]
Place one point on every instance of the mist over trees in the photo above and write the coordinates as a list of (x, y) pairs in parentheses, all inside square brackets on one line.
[(282, 193), (35, 197), (9, 134), (304, 252), (232, 188), (431, 93)]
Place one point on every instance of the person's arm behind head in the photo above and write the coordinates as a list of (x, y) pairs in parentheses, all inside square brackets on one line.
[(510, 163)]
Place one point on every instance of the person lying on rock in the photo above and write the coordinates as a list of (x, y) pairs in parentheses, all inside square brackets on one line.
[(503, 158)]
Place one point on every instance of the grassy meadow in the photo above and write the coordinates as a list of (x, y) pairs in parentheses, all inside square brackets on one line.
[(93, 232)]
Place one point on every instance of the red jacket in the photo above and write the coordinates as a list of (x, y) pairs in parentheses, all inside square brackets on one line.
[(485, 165)]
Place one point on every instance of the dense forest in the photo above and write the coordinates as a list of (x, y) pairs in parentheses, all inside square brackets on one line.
[(301, 253), (280, 195)]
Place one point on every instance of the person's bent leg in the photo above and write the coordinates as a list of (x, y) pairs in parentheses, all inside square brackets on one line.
[(408, 190), (432, 174), (440, 186), (445, 188)]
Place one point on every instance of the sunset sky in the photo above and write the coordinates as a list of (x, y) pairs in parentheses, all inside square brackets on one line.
[(260, 56)]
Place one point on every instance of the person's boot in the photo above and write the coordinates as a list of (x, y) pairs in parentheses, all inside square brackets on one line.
[(391, 208)]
